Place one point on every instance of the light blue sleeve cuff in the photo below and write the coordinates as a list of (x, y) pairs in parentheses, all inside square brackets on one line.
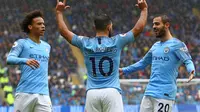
[(125, 71), (190, 66)]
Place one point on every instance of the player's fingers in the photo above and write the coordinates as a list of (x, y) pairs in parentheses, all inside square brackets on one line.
[(189, 80), (64, 2), (35, 63), (140, 1), (30, 65), (57, 1), (191, 77), (66, 7)]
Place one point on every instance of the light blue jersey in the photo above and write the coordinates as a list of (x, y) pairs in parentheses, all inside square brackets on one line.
[(102, 58), (165, 59), (32, 80)]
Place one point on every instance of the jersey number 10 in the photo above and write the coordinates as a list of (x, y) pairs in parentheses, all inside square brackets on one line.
[(105, 58)]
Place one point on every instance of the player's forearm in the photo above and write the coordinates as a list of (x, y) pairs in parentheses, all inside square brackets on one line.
[(134, 67), (139, 26), (13, 60), (64, 31), (189, 66)]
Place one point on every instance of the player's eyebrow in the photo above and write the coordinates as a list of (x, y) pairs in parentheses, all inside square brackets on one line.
[(156, 22)]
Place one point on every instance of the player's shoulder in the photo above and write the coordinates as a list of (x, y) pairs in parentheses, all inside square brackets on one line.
[(82, 37), (121, 35), (156, 43), (177, 42), (20, 42)]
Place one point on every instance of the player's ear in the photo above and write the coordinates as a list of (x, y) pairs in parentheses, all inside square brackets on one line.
[(29, 27), (167, 24), (109, 27)]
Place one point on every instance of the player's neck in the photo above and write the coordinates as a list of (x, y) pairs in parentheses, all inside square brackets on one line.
[(102, 34), (34, 38), (167, 36)]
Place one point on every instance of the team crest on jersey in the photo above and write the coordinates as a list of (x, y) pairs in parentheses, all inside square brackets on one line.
[(123, 35), (15, 44), (166, 50)]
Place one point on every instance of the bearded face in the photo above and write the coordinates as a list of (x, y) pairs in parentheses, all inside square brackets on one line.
[(159, 32), (159, 28)]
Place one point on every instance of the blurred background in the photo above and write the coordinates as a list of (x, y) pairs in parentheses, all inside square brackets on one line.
[(67, 73)]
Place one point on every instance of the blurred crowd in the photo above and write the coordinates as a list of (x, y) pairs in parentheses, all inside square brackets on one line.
[(185, 25)]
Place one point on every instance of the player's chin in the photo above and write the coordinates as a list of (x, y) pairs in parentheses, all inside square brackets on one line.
[(41, 33), (158, 37)]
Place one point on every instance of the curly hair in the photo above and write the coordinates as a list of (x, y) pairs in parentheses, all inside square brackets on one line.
[(28, 20)]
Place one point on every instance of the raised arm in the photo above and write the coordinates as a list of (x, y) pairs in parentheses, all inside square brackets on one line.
[(64, 31), (139, 26)]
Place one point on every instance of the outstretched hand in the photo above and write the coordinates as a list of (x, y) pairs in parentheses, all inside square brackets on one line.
[(142, 4), (121, 72), (61, 6), (191, 76)]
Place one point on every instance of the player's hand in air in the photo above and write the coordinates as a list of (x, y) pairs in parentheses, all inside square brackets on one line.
[(61, 6), (33, 63), (142, 4), (121, 72), (191, 76)]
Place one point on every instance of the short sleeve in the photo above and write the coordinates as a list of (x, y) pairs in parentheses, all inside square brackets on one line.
[(124, 39), (77, 41)]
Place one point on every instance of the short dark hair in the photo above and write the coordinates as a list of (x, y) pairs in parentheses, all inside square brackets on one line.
[(164, 18), (28, 20), (101, 21)]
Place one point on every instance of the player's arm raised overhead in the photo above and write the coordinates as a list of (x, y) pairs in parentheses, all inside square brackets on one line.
[(64, 31), (139, 26)]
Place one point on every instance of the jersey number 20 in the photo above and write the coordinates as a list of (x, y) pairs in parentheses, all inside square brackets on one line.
[(105, 58)]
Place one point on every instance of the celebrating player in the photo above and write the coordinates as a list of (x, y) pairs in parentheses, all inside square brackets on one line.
[(32, 54), (102, 57), (165, 57)]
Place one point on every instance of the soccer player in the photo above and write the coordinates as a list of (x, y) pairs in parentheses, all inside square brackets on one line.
[(32, 55), (102, 57), (165, 57)]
